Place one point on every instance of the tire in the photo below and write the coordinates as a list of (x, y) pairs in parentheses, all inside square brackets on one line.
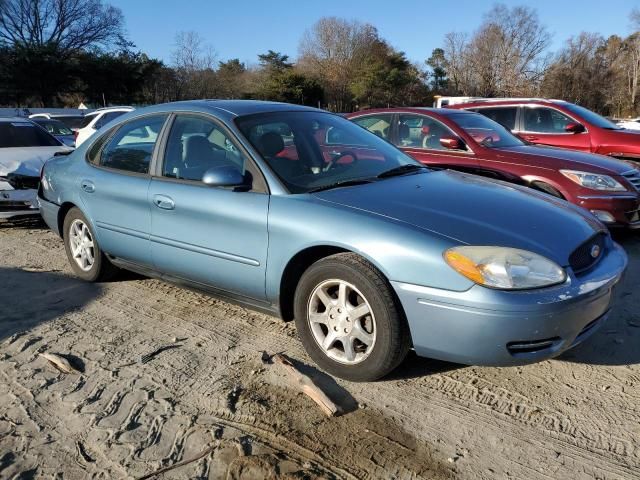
[(546, 188), (383, 330), (101, 268)]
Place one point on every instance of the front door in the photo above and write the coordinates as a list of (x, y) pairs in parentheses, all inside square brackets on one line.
[(419, 136), (546, 126), (114, 192), (213, 236)]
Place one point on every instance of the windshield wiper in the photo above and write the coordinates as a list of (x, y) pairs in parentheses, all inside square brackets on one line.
[(342, 183), (402, 170)]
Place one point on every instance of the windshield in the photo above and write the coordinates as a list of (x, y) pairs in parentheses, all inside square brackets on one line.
[(485, 131), (591, 117), (315, 150), (86, 120), (72, 121), (54, 127), (24, 134)]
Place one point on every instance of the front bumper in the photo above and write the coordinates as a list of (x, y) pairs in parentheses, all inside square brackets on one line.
[(483, 326), (625, 209), (18, 203)]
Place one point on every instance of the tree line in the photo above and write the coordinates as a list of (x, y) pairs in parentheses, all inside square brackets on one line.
[(63, 52)]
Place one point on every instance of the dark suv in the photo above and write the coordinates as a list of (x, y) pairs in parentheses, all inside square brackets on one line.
[(559, 124)]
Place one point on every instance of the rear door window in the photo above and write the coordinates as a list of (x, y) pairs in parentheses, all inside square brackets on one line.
[(130, 149), (505, 116)]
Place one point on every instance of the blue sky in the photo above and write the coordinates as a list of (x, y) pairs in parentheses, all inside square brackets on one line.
[(243, 29)]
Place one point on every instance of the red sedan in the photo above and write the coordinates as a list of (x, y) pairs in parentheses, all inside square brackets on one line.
[(559, 124), (463, 140)]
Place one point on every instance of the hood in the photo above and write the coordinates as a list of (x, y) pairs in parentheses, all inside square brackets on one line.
[(26, 160), (572, 159), (475, 211)]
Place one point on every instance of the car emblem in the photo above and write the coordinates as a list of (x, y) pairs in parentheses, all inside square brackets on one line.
[(595, 251)]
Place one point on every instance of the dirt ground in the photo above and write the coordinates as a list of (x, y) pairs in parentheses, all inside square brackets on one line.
[(573, 417)]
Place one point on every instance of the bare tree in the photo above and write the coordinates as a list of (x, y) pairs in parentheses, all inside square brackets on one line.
[(504, 57), (332, 51), (65, 26), (194, 63), (632, 54)]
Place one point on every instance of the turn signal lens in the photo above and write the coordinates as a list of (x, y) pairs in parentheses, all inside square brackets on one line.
[(464, 265)]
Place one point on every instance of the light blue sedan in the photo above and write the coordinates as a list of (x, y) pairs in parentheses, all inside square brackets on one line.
[(302, 214)]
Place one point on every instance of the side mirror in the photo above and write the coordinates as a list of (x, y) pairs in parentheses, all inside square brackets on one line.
[(452, 143), (226, 176), (574, 127)]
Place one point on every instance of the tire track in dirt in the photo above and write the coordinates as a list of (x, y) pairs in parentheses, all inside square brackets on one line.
[(475, 393), (488, 425)]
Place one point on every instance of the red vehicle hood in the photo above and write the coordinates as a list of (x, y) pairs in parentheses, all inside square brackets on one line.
[(558, 158)]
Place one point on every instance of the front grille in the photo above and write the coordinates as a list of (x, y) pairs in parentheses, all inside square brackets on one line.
[(582, 257), (633, 176)]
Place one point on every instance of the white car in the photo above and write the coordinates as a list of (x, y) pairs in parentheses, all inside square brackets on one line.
[(95, 120), (630, 124), (24, 147)]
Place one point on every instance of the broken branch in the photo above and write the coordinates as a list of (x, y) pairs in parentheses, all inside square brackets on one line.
[(309, 388), (59, 362)]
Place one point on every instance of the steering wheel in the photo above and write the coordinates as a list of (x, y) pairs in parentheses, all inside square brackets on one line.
[(337, 156)]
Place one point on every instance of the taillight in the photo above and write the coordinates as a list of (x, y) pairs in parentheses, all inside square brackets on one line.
[(75, 135)]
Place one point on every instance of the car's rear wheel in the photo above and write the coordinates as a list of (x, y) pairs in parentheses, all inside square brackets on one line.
[(349, 320), (85, 257)]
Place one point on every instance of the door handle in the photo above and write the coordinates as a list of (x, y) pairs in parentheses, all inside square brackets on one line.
[(164, 202), (530, 137), (88, 186)]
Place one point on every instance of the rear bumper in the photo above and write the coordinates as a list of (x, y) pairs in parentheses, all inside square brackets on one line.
[(625, 209), (483, 326), (18, 203), (49, 212)]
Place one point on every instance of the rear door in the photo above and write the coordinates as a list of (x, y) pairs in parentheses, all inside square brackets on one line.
[(546, 126), (114, 192), (214, 236)]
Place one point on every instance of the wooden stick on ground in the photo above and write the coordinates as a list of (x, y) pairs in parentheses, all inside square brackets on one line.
[(59, 362), (308, 387)]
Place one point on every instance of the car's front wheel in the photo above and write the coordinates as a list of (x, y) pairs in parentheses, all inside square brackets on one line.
[(85, 257), (349, 320)]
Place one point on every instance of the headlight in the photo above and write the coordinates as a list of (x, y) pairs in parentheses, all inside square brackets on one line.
[(504, 268), (594, 180)]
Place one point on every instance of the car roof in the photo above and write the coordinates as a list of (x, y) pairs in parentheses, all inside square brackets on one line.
[(228, 108), (443, 112), (507, 101)]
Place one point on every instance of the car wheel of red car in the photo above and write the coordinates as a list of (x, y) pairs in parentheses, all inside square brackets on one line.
[(546, 188)]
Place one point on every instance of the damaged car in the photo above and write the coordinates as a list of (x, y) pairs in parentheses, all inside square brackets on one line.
[(24, 148)]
